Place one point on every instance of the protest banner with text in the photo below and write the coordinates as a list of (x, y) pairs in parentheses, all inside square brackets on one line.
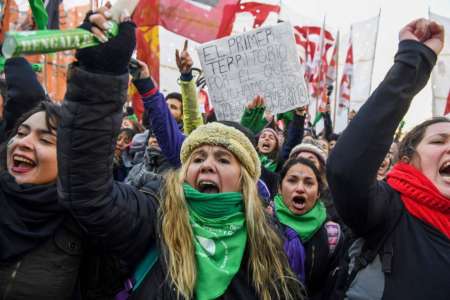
[(262, 62)]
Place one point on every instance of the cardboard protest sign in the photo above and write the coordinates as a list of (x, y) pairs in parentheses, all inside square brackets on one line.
[(262, 62)]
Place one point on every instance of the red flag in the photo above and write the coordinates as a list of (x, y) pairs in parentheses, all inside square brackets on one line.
[(198, 20), (332, 66), (316, 43), (309, 37), (319, 67), (327, 77), (447, 106), (204, 98), (147, 45), (346, 80), (259, 10)]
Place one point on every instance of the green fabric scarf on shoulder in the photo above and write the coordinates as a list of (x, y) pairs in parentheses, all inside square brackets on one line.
[(305, 225), (268, 163), (220, 236)]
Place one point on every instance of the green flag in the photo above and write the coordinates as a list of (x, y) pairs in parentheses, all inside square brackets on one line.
[(318, 117), (39, 13)]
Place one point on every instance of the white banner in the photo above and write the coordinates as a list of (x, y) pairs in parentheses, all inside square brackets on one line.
[(263, 62), (364, 39), (440, 78)]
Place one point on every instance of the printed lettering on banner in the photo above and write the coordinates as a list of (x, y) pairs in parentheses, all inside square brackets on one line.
[(263, 62)]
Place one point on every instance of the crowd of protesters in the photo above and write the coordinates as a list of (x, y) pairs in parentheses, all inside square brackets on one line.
[(95, 204)]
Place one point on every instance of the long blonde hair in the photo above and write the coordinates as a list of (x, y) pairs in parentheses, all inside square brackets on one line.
[(271, 275)]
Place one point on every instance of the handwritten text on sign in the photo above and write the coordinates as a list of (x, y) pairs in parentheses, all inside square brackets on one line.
[(262, 62)]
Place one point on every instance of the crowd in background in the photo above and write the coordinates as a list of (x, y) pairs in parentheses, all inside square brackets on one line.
[(96, 203)]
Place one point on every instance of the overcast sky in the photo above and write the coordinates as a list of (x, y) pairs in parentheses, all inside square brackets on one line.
[(394, 15)]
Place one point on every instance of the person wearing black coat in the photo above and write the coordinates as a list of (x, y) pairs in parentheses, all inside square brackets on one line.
[(150, 170), (129, 223), (21, 92), (314, 244), (411, 209), (40, 245), (42, 248)]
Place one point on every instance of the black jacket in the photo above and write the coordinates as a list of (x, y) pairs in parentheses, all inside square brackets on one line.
[(320, 263), (40, 245), (24, 92), (421, 254), (149, 171), (122, 219), (50, 271)]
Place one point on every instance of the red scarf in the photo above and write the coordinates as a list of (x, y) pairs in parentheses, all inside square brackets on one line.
[(421, 197)]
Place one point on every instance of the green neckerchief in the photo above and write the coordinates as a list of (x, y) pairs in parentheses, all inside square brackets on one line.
[(268, 163), (305, 225), (220, 236)]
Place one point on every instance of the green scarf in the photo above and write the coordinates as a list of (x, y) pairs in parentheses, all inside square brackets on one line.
[(268, 163), (220, 236), (305, 225)]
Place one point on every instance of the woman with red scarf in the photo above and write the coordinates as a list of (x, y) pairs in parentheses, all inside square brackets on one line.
[(411, 209)]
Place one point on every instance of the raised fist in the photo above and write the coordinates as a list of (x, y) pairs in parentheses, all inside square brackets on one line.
[(425, 31)]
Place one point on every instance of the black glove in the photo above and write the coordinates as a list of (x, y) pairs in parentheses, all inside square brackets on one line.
[(111, 57), (23, 89)]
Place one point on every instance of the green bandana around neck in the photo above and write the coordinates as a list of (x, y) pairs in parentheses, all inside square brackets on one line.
[(220, 237), (305, 225), (213, 205), (268, 163)]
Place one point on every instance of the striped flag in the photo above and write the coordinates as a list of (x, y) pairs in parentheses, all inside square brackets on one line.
[(346, 79)]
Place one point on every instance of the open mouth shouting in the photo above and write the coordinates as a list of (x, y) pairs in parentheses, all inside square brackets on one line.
[(208, 187), (266, 147), (299, 203), (444, 171), (22, 164)]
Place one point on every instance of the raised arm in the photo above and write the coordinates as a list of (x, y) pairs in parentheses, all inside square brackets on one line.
[(192, 117), (327, 124), (353, 163), (295, 132), (117, 216), (169, 136), (23, 91), (253, 116)]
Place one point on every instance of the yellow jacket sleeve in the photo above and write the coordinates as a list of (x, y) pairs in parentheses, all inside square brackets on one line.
[(192, 117)]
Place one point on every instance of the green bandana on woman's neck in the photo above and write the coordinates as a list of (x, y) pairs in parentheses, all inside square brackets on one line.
[(305, 225), (220, 237), (268, 163)]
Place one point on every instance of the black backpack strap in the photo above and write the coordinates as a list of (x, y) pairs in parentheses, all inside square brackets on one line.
[(384, 247), (361, 261), (387, 255)]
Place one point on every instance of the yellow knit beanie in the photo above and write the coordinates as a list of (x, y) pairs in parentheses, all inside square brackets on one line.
[(233, 140)]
